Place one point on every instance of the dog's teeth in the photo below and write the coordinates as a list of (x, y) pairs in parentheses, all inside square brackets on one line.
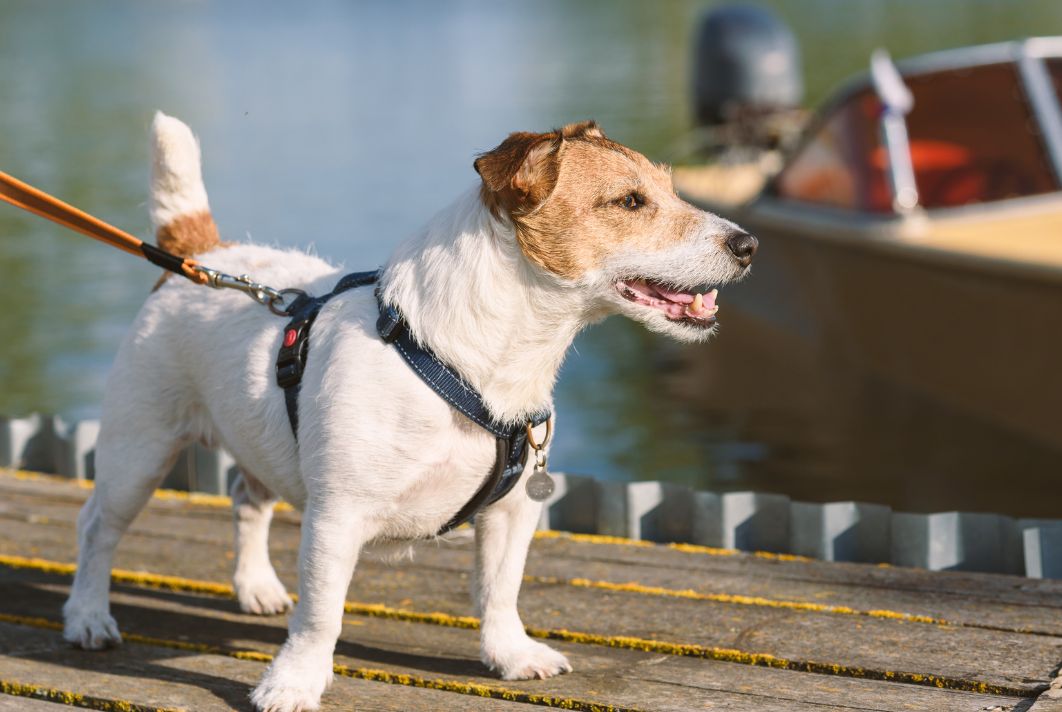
[(714, 293), (698, 303)]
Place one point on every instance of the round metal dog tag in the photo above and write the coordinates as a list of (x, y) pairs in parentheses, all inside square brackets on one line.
[(539, 485)]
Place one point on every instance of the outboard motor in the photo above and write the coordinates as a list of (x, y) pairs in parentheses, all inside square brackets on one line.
[(746, 65)]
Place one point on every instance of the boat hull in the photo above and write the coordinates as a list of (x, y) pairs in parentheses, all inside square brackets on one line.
[(977, 336)]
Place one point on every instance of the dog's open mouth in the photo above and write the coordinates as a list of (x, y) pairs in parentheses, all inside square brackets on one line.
[(691, 308)]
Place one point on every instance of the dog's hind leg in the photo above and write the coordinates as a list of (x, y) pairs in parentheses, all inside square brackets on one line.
[(503, 535), (257, 587), (130, 464)]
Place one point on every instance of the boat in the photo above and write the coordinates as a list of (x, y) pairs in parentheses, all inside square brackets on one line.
[(911, 228)]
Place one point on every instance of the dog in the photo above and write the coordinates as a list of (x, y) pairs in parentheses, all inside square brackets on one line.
[(561, 230)]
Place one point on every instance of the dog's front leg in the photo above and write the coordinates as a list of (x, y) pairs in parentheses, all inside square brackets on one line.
[(503, 535), (332, 536)]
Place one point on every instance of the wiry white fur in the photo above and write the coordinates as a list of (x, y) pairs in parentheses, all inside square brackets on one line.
[(380, 456), (466, 289), (176, 178)]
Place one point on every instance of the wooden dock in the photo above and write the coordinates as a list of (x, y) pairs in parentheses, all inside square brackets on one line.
[(646, 626)]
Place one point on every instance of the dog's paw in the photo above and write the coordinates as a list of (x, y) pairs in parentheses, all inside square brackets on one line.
[(526, 661), (284, 699), (94, 630), (287, 688), (262, 594)]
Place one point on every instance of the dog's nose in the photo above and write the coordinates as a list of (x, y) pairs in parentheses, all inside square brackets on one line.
[(743, 246)]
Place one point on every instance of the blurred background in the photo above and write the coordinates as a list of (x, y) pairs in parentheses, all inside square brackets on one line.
[(344, 126)]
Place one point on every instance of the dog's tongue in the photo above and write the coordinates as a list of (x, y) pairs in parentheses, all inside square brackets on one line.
[(688, 299), (707, 301), (676, 304), (680, 297)]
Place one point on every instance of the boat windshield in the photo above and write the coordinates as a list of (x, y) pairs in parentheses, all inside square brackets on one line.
[(973, 139), (1054, 68)]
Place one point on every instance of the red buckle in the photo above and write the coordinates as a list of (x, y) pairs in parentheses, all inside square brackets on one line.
[(289, 338)]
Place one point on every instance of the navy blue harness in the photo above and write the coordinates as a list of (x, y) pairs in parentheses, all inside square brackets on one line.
[(510, 440)]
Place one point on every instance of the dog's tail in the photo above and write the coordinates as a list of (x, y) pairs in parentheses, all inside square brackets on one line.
[(179, 208)]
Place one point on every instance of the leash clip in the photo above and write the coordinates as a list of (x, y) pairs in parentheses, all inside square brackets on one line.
[(273, 298)]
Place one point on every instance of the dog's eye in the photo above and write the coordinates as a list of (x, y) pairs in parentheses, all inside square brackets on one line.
[(632, 201)]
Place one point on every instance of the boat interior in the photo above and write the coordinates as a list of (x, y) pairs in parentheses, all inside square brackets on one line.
[(981, 142)]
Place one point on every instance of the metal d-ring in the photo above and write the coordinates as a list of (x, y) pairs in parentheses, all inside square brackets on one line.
[(277, 304), (545, 441), (539, 485)]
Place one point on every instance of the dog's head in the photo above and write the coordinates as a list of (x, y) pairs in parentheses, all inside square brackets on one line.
[(604, 219)]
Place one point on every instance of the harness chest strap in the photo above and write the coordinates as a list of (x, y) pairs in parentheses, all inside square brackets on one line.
[(510, 441)]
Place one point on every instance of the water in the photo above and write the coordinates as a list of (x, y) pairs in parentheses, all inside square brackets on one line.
[(345, 126)]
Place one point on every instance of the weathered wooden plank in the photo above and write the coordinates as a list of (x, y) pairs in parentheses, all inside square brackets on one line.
[(982, 600), (11, 703), (792, 582), (1051, 699), (992, 587), (992, 657), (878, 644), (606, 676), (970, 587), (162, 677), (1046, 703)]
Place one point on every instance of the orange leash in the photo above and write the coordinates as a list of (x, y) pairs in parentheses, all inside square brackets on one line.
[(25, 196)]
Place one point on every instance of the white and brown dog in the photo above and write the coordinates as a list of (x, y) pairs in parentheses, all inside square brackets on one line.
[(563, 229)]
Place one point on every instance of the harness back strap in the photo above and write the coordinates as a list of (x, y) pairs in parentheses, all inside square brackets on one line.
[(291, 359), (510, 440)]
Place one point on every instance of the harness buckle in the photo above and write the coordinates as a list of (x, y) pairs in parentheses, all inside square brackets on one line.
[(290, 358), (389, 325), (288, 374)]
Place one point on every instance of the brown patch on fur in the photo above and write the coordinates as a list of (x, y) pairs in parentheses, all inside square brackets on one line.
[(519, 173), (187, 235), (564, 193)]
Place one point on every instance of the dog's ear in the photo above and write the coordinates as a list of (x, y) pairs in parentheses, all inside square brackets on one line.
[(583, 129), (520, 173)]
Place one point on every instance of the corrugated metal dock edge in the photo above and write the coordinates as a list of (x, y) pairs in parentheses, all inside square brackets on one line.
[(659, 512)]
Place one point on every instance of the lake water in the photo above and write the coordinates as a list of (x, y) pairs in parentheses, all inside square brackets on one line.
[(344, 126)]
